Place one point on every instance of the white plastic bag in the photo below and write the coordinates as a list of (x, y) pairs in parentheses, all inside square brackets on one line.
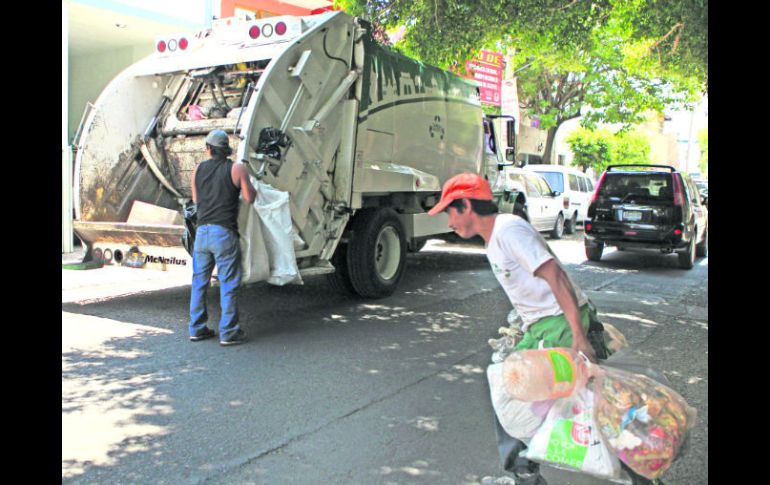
[(268, 238), (569, 437), (255, 265), (278, 232), (519, 419)]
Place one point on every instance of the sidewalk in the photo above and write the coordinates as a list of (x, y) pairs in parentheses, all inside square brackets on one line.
[(90, 285)]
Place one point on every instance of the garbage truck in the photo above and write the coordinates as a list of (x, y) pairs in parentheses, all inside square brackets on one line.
[(361, 137)]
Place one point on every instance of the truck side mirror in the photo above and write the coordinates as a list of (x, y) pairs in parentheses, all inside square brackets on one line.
[(510, 154), (511, 128)]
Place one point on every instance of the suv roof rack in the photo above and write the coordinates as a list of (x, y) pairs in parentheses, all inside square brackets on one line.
[(673, 169)]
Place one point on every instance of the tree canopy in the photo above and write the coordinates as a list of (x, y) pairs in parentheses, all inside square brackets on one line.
[(598, 149), (669, 35), (604, 60)]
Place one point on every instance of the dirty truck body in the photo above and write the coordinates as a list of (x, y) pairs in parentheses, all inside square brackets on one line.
[(360, 137)]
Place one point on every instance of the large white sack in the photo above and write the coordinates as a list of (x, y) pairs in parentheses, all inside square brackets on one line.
[(519, 419), (272, 206), (255, 265)]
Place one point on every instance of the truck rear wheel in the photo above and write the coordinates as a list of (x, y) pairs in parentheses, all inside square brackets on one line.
[(376, 253)]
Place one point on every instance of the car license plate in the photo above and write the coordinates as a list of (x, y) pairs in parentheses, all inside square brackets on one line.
[(632, 216)]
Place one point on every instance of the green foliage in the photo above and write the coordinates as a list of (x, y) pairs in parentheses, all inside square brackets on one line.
[(598, 149)]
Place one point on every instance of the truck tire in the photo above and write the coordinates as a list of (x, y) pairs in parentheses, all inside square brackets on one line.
[(340, 279), (376, 253)]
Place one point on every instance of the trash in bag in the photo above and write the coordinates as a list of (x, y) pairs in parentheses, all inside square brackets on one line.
[(570, 438), (643, 421), (543, 374), (520, 419)]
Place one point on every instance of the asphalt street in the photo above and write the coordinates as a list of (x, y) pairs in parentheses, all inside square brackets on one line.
[(330, 389)]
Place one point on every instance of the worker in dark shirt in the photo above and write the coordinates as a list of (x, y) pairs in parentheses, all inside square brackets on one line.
[(216, 185)]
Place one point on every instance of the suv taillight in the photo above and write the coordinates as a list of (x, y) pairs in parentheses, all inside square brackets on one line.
[(598, 186), (678, 191)]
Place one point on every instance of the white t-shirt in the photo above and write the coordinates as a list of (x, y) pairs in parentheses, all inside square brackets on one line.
[(515, 251)]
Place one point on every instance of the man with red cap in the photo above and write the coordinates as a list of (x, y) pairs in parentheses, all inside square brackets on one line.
[(554, 311)]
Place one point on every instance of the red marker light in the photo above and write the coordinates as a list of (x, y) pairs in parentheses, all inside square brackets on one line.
[(677, 232), (183, 43), (280, 28), (588, 227), (254, 32), (161, 46)]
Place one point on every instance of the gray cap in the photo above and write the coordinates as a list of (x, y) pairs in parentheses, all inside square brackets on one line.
[(217, 138)]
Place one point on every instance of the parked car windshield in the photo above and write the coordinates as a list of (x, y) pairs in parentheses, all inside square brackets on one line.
[(555, 180), (650, 186)]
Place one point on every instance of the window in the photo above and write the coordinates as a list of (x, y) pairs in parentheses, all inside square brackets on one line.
[(693, 192), (545, 189), (583, 184), (573, 183), (532, 186), (555, 180), (589, 185)]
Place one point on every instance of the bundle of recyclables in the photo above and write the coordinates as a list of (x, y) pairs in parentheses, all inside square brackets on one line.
[(588, 417)]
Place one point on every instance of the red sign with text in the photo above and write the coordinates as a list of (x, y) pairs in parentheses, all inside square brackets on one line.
[(487, 70)]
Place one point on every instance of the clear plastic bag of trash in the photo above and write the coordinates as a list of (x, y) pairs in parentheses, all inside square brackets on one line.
[(644, 422)]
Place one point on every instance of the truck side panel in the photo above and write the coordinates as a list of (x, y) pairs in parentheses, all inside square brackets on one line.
[(414, 115)]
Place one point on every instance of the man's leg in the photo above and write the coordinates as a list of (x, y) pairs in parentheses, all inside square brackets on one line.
[(203, 265), (526, 472), (228, 260)]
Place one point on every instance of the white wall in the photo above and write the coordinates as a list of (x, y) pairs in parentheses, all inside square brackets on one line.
[(89, 75)]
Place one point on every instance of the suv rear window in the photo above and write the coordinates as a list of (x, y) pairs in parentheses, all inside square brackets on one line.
[(653, 186), (555, 180)]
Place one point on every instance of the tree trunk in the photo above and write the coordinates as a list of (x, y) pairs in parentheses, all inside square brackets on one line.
[(547, 155)]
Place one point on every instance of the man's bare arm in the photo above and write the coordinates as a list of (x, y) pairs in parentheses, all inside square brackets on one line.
[(565, 295), (241, 180), (194, 192)]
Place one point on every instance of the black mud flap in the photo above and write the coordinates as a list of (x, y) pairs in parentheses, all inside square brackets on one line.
[(190, 212)]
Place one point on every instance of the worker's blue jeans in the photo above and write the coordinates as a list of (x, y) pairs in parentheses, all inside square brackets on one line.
[(215, 245)]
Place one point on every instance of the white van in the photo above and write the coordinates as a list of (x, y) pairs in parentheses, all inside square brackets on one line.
[(576, 188)]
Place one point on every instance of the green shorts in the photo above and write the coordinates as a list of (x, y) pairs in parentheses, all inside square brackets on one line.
[(553, 331)]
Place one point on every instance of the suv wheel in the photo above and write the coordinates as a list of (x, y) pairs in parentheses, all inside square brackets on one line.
[(594, 253), (687, 257), (558, 229), (571, 224), (702, 248)]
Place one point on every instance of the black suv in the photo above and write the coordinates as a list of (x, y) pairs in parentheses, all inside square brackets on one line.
[(647, 207)]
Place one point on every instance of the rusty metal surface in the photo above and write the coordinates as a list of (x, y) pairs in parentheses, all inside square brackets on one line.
[(132, 234)]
